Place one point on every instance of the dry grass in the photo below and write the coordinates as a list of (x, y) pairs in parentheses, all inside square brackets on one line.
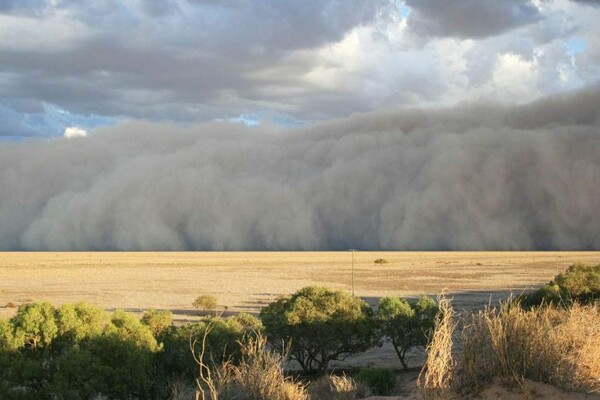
[(336, 387), (246, 281), (180, 390), (258, 376), (438, 372), (546, 344)]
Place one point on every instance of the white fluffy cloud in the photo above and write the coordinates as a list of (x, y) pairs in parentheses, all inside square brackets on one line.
[(74, 132)]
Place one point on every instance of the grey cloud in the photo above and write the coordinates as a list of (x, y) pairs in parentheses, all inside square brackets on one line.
[(18, 6), (470, 18), (201, 58), (485, 177), (589, 2)]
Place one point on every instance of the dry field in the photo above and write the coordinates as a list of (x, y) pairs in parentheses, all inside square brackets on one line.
[(245, 281)]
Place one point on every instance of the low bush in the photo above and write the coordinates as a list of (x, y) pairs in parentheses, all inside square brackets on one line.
[(381, 381), (206, 303), (579, 283), (381, 261)]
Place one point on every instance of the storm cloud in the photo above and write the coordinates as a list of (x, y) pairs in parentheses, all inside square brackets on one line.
[(87, 63), (468, 177), (470, 18)]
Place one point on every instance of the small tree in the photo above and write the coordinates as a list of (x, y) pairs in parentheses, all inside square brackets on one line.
[(406, 324), (205, 303), (35, 324), (159, 321), (322, 325)]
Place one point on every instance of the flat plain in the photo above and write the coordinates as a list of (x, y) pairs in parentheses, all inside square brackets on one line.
[(246, 281)]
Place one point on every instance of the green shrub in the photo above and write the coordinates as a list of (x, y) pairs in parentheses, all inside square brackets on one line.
[(579, 283), (77, 351), (206, 303), (77, 322), (320, 325), (158, 321), (8, 341), (35, 325), (381, 381), (222, 343), (406, 324)]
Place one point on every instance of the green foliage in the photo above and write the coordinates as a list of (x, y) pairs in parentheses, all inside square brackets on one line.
[(579, 283), (129, 329), (406, 324), (247, 321), (205, 303), (75, 352), (77, 322), (381, 381), (158, 321), (222, 343), (35, 325), (8, 341), (320, 325)]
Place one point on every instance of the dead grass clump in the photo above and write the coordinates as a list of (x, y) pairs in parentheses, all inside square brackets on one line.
[(336, 387), (437, 374), (546, 344), (180, 390), (381, 261), (258, 376)]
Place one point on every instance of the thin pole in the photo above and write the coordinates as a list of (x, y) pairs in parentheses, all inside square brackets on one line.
[(353, 250)]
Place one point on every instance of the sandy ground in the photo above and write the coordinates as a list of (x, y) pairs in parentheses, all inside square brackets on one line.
[(498, 390), (246, 281)]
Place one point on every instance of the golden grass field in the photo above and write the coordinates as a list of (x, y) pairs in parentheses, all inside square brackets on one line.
[(245, 281)]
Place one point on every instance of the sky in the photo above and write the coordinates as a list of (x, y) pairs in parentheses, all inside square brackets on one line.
[(86, 64), (299, 125)]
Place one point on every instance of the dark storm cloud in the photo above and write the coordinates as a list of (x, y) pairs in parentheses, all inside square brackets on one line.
[(470, 18), (485, 177), (118, 58)]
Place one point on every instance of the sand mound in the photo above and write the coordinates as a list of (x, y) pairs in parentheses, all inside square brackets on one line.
[(498, 391)]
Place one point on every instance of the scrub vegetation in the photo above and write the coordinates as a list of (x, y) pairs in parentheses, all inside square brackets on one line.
[(81, 351)]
